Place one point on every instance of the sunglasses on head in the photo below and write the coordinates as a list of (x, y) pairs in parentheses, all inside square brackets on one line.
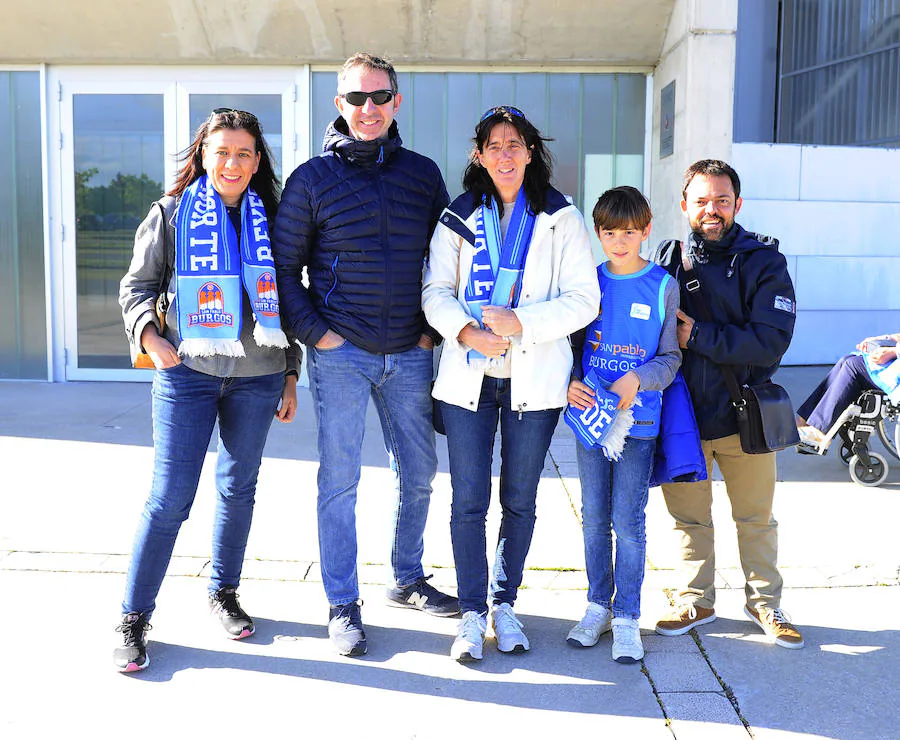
[(358, 98), (500, 110), (219, 111)]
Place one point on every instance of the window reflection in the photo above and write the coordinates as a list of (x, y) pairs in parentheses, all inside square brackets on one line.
[(119, 172)]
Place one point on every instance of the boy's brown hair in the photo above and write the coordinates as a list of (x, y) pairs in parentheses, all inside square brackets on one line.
[(623, 207)]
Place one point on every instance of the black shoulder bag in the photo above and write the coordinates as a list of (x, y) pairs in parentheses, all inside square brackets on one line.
[(765, 415)]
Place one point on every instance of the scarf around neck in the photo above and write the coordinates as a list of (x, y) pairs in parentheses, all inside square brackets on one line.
[(212, 266), (498, 263)]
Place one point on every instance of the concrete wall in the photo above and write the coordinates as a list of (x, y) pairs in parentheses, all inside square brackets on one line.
[(698, 53), (836, 211), (532, 32)]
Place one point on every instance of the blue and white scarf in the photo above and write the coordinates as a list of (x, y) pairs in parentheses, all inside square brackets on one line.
[(210, 267), (497, 265), (603, 425)]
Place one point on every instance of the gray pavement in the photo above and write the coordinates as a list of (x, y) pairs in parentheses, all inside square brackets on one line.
[(77, 460)]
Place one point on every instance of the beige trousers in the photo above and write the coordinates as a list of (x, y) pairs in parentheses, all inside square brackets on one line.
[(750, 483)]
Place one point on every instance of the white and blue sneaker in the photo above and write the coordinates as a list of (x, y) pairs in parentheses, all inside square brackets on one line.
[(508, 630), (469, 640)]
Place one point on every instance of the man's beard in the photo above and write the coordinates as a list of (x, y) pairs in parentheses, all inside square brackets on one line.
[(712, 232)]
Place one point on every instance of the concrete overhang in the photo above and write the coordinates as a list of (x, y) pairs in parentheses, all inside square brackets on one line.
[(532, 33)]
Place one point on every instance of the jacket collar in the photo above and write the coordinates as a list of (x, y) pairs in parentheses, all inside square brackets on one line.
[(361, 153), (461, 210)]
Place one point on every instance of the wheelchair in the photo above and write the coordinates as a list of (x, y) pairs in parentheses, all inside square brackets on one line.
[(872, 414)]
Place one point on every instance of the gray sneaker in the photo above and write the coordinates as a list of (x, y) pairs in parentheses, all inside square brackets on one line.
[(627, 646), (508, 630), (597, 620), (469, 637), (345, 630)]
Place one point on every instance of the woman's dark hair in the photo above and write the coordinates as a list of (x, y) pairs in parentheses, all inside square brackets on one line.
[(538, 172), (263, 182)]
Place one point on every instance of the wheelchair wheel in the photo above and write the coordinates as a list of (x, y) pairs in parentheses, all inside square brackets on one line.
[(871, 475), (846, 454), (889, 434)]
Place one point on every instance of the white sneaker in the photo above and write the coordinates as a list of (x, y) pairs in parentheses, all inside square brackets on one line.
[(595, 622), (508, 630), (469, 637), (627, 646)]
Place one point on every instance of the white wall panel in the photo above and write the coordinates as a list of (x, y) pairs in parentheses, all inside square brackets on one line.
[(834, 173), (768, 171), (827, 228), (822, 337)]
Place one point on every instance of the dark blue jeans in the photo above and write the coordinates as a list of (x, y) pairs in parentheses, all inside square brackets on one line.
[(613, 499), (841, 387), (186, 404), (524, 441), (342, 380)]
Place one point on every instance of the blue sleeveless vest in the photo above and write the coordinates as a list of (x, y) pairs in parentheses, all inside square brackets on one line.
[(626, 334)]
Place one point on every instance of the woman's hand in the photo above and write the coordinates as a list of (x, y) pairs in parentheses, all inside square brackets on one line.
[(485, 342), (288, 407), (502, 321), (160, 349), (626, 389), (883, 355), (579, 395)]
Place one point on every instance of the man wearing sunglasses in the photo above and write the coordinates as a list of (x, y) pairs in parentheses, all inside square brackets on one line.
[(359, 218)]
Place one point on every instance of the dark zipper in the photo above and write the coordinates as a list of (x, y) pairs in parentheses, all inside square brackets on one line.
[(334, 265)]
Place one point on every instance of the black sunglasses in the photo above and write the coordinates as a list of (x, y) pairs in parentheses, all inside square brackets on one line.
[(499, 110), (358, 98)]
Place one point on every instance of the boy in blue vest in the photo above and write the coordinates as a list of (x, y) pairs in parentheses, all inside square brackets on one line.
[(632, 349)]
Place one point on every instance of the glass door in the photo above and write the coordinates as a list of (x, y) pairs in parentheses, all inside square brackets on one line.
[(120, 132)]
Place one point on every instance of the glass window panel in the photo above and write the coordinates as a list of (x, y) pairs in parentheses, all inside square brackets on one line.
[(322, 110), (531, 98), (598, 112), (496, 89), (267, 108), (23, 330), (565, 127), (630, 95), (464, 110), (119, 172), (426, 100)]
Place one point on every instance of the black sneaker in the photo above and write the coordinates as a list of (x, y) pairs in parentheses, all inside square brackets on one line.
[(132, 656), (345, 630), (224, 605), (425, 597)]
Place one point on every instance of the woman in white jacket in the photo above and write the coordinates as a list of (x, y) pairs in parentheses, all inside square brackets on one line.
[(510, 276)]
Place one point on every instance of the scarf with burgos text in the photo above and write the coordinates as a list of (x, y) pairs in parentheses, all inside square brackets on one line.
[(498, 263), (210, 266)]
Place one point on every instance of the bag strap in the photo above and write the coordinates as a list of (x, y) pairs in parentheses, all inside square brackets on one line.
[(162, 293), (692, 286)]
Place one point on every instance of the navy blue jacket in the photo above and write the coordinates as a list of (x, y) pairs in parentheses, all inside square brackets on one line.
[(359, 218), (751, 298)]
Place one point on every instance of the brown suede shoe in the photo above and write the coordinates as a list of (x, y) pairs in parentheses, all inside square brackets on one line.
[(683, 618), (776, 625)]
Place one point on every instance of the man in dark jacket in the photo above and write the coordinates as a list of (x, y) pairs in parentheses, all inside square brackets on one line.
[(746, 285), (359, 218)]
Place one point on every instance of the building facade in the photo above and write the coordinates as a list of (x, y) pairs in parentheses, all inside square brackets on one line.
[(95, 103)]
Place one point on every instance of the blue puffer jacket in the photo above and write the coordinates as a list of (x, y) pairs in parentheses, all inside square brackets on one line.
[(751, 298), (679, 456), (359, 218)]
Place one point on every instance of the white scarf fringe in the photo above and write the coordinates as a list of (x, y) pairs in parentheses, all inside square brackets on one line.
[(268, 337), (210, 347)]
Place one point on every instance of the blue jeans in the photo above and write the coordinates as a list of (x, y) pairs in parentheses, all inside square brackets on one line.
[(186, 404), (342, 380), (613, 499), (524, 441)]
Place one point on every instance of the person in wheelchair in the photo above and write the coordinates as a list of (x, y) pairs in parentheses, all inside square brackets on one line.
[(874, 366)]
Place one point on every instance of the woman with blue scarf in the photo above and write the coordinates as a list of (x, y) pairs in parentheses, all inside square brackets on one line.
[(510, 276), (221, 355), (874, 366)]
